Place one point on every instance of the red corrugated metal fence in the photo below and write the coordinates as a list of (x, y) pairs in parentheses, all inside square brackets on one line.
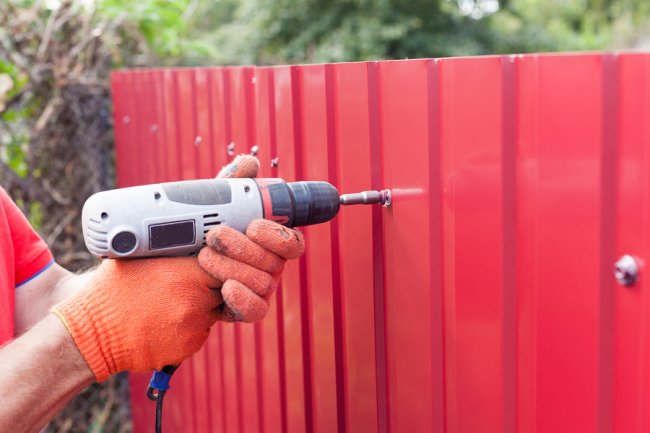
[(482, 301)]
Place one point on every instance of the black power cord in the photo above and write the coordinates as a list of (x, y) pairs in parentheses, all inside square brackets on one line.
[(158, 387), (159, 408)]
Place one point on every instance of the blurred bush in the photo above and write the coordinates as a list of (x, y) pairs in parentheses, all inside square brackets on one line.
[(55, 131), (296, 31), (56, 148)]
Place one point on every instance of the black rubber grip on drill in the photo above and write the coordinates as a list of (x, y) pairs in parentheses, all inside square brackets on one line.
[(313, 202)]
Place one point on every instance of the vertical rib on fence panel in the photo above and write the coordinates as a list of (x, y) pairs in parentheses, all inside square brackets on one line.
[(471, 168), (630, 359), (296, 334), (352, 138), (403, 125)]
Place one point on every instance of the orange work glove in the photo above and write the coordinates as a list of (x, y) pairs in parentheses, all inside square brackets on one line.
[(241, 167), (141, 314), (250, 265)]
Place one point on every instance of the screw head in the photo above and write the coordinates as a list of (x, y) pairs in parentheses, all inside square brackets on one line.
[(197, 140), (274, 162), (626, 270), (126, 120), (386, 197), (254, 150), (231, 148)]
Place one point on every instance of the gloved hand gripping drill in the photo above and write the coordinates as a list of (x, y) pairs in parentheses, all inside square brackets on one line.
[(140, 315), (144, 314)]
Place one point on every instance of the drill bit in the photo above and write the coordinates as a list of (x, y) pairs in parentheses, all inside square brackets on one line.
[(367, 197)]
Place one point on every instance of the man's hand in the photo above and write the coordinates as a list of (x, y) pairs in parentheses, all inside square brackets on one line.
[(142, 314), (250, 265)]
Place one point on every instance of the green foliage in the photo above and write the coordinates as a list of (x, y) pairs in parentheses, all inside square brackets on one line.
[(18, 78), (35, 215), (34, 212), (551, 25), (290, 31), (13, 145), (14, 153), (188, 32), (161, 23), (272, 31)]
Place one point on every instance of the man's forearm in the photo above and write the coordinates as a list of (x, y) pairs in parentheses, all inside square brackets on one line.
[(41, 371), (35, 298), (70, 284)]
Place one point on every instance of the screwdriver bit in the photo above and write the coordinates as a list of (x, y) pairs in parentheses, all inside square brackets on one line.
[(367, 197)]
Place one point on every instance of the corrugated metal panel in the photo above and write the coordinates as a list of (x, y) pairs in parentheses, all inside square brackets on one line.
[(481, 301)]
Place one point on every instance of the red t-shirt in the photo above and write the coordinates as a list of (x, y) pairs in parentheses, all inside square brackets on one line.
[(23, 255)]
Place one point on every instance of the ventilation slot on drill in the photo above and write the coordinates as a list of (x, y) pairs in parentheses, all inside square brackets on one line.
[(209, 221), (97, 240)]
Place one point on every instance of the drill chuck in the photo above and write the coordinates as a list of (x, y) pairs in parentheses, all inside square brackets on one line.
[(297, 204)]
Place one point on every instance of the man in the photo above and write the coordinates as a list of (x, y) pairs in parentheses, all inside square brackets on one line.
[(126, 315)]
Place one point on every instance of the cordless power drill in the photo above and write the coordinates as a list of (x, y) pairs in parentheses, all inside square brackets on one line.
[(172, 219)]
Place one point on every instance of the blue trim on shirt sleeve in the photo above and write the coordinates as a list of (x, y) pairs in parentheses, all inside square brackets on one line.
[(36, 274)]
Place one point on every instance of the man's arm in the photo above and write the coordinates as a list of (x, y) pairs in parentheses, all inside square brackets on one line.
[(41, 371), (107, 317), (35, 298)]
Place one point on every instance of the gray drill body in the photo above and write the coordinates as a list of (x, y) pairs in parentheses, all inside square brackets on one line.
[(172, 219)]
